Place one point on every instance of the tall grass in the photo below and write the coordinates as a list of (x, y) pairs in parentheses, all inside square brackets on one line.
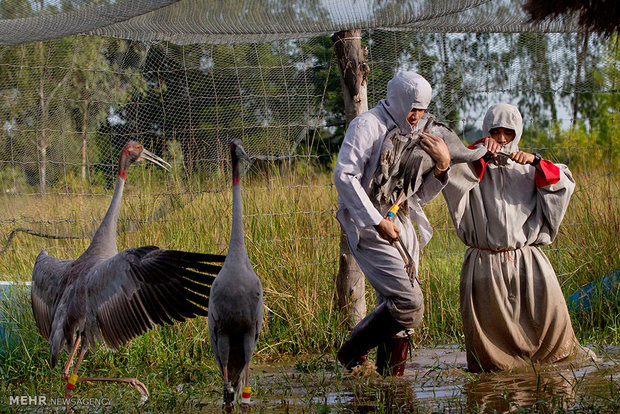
[(588, 248), (292, 240)]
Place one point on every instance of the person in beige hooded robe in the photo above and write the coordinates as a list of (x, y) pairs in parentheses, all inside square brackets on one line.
[(504, 207)]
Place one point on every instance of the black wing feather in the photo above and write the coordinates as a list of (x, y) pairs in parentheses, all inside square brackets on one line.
[(141, 287)]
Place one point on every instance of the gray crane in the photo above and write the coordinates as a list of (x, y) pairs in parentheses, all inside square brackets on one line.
[(109, 297), (403, 163), (235, 304)]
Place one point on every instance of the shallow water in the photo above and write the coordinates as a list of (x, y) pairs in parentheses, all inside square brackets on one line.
[(435, 380)]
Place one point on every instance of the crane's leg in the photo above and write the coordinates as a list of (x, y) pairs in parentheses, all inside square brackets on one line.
[(65, 371), (73, 378), (246, 390), (229, 392), (133, 382)]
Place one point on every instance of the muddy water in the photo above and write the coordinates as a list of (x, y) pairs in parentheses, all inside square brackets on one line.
[(436, 380)]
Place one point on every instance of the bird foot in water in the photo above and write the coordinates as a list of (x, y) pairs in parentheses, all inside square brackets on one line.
[(228, 393), (229, 397)]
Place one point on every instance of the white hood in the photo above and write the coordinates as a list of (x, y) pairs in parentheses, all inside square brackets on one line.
[(506, 116), (406, 91)]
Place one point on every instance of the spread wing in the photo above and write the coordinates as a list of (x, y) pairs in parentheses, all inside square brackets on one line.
[(46, 289), (137, 288)]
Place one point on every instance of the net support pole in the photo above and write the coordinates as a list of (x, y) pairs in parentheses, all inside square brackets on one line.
[(353, 68)]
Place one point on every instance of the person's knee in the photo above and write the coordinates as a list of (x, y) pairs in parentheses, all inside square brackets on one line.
[(409, 310), (414, 301), (417, 316)]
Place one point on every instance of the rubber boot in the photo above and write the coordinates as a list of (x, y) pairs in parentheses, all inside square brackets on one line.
[(370, 332), (392, 356)]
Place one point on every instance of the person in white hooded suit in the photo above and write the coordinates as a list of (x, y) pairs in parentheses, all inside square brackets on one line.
[(370, 234), (504, 207)]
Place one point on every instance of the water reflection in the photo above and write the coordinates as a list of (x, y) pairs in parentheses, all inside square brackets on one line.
[(505, 392), (436, 380)]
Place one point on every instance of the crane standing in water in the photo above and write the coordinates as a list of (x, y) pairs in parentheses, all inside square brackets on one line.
[(235, 304), (112, 297)]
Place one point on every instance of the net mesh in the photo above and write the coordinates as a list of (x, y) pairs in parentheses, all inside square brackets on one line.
[(188, 76), (240, 21)]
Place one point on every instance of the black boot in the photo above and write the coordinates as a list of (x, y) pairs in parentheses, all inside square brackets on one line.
[(391, 357), (370, 332)]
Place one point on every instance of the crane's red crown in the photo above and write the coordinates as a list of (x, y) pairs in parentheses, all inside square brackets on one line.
[(130, 154)]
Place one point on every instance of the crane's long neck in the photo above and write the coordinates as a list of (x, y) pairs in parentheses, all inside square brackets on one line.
[(237, 244), (104, 240)]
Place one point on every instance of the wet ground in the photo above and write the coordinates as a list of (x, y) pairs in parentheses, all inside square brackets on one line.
[(436, 380)]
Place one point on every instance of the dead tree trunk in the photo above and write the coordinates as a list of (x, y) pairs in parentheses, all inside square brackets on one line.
[(354, 81)]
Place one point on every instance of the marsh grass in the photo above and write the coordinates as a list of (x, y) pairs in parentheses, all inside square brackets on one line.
[(588, 248), (292, 240)]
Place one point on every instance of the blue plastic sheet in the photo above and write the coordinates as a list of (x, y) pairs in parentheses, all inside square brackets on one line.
[(584, 298)]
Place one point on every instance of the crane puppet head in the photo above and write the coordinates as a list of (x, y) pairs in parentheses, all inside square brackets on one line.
[(134, 151), (237, 153)]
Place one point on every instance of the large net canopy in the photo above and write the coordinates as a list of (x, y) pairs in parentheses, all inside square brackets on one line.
[(78, 79), (203, 21)]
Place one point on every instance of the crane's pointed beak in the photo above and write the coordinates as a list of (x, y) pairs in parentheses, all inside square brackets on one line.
[(149, 156), (242, 154)]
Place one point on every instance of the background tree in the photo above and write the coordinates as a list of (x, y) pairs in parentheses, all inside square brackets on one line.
[(100, 83)]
